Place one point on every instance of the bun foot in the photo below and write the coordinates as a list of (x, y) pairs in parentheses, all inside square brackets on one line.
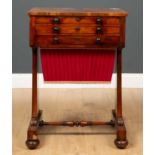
[(32, 144), (121, 144)]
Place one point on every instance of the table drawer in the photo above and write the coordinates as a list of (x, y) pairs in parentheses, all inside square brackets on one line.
[(48, 29), (77, 20), (60, 41)]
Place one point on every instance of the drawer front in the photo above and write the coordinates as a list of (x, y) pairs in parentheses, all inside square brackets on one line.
[(77, 20), (48, 29), (67, 41)]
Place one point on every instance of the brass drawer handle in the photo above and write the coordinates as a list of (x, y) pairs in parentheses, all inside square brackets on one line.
[(56, 29), (99, 20), (56, 20), (56, 40), (98, 41), (99, 30)]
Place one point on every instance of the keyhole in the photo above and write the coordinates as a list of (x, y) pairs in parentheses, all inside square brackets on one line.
[(77, 38), (77, 28), (78, 19)]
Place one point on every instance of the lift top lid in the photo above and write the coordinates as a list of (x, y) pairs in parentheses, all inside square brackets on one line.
[(76, 12)]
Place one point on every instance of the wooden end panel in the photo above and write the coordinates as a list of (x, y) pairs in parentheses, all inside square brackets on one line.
[(122, 31), (32, 31)]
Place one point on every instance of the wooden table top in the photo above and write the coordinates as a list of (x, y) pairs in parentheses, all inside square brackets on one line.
[(76, 12)]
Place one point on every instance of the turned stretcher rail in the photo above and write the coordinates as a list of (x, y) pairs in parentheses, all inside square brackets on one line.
[(77, 123)]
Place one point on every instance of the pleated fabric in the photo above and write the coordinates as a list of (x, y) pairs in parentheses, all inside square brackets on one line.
[(77, 65)]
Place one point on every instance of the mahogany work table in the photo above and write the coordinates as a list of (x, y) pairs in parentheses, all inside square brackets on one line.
[(56, 32)]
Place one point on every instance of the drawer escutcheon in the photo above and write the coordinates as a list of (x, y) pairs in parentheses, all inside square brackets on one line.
[(77, 28), (77, 38), (77, 19)]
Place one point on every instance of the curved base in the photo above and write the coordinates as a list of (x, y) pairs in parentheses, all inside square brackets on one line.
[(32, 144), (121, 144)]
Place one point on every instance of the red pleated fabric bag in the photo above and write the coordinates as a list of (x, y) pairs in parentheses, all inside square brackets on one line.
[(77, 65)]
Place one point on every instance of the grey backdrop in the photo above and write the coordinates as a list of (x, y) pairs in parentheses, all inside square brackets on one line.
[(132, 54)]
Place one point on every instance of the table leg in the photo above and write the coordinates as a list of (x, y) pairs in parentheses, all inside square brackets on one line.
[(121, 141), (32, 138)]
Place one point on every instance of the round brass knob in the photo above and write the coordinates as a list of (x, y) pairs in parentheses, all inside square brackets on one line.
[(98, 40), (99, 20), (99, 30), (56, 29), (56, 20), (56, 40)]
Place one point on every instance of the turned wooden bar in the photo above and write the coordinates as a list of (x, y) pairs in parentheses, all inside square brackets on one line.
[(77, 123)]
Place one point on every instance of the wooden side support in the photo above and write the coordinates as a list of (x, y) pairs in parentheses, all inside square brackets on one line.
[(34, 82), (120, 141), (32, 139)]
